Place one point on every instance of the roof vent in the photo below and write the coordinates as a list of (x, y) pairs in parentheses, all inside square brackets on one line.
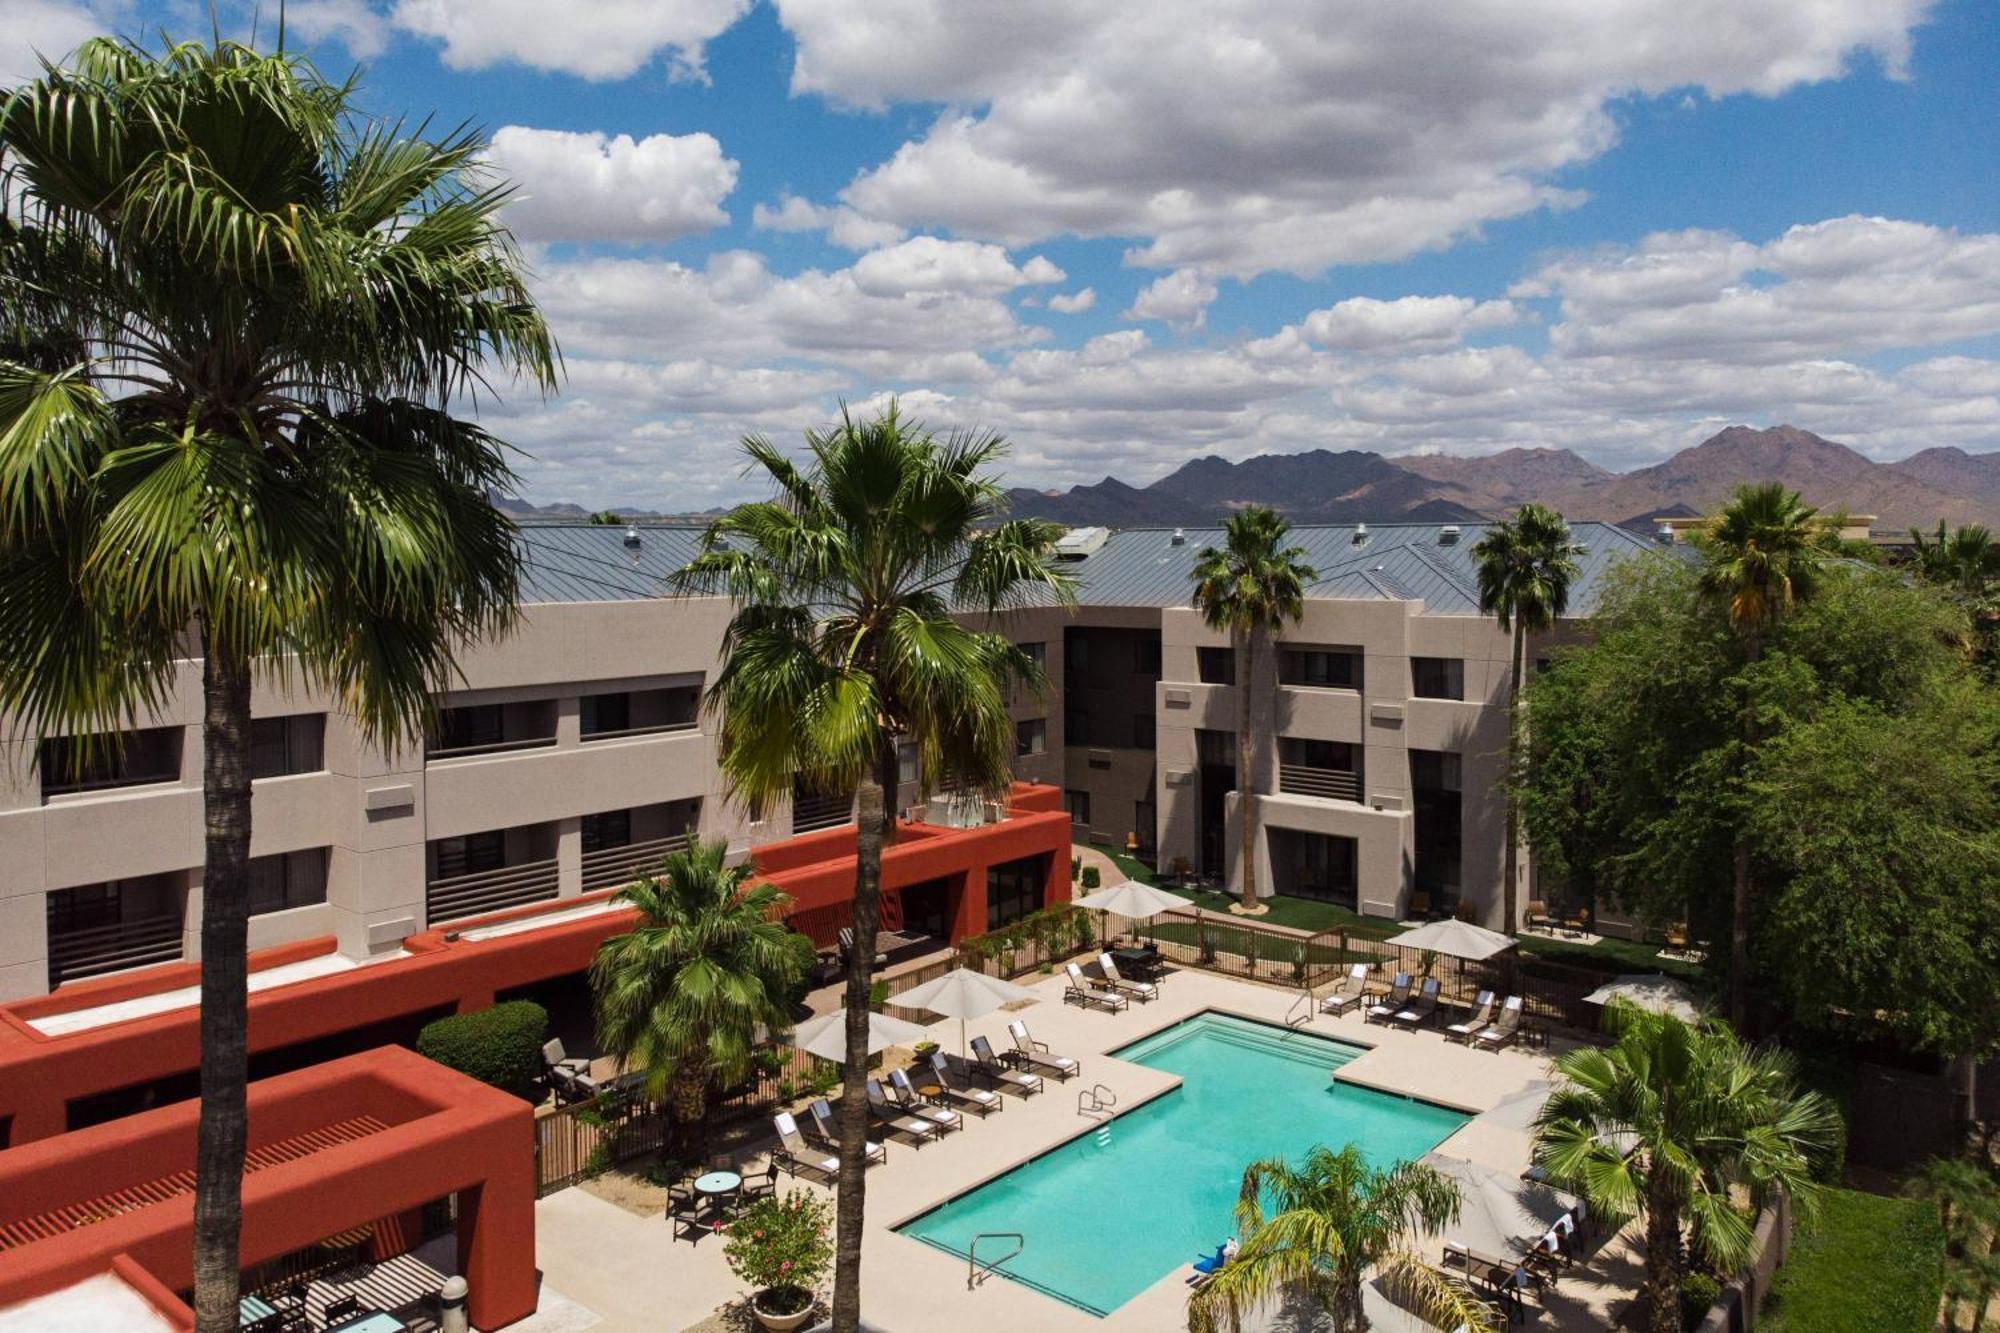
[(632, 538), (1078, 543), (1665, 536), (1448, 535), (1360, 534), (1180, 537)]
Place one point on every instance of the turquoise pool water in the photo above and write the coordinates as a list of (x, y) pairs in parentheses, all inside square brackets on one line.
[(1109, 1214)]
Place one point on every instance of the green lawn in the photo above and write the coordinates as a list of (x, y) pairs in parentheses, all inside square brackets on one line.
[(1609, 955), (1867, 1265)]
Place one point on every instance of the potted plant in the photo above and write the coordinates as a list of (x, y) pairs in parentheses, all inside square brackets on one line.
[(923, 1051), (782, 1248)]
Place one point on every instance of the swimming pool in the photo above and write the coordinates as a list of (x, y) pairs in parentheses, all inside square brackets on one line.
[(1110, 1213)]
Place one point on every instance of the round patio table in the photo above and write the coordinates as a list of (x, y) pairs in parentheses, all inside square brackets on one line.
[(718, 1182)]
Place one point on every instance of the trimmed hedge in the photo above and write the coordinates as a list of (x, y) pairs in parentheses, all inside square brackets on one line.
[(501, 1046)]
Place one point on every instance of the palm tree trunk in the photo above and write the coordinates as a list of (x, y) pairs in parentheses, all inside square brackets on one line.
[(874, 828), (1246, 793), (689, 1096), (225, 912), (1510, 885), (1739, 902), (1663, 1260), (1348, 1316)]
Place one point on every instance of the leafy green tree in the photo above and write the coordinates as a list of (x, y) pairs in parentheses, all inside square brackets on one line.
[(245, 311), (1314, 1230), (1526, 565), (1252, 585), (683, 993), (1763, 554), (1966, 559), (605, 518), (1668, 1124), (844, 644)]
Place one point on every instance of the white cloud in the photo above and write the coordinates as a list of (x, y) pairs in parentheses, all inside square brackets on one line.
[(1073, 303), (594, 39), (1180, 298), (843, 226), (1241, 136), (600, 187), (355, 24), (46, 28), (1362, 323), (929, 264)]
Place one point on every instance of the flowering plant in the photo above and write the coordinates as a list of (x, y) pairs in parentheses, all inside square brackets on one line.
[(781, 1246)]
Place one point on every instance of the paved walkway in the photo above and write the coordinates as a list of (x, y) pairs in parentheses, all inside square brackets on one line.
[(628, 1269)]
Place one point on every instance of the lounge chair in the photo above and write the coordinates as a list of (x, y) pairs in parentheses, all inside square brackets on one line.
[(902, 1095), (828, 1132), (953, 1088), (918, 1129), (847, 949), (1348, 993), (1028, 1051), (1081, 992), (991, 1068), (796, 1155), (1420, 1010), (1481, 1015), (1208, 1265), (1138, 990), (1398, 996), (567, 1076), (1503, 1030)]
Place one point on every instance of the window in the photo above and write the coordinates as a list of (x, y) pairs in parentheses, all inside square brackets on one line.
[(909, 763), (109, 927), (1216, 666), (1437, 677), (473, 725), (604, 712), (611, 828), (1322, 668), (470, 729), (1142, 731), (637, 712), (1148, 656), (1076, 649), (280, 746), (1031, 736), (1438, 805), (1076, 725), (1335, 755), (469, 854), (1314, 865), (1014, 889), (287, 880), (1327, 769), (133, 759), (1038, 653), (1078, 805)]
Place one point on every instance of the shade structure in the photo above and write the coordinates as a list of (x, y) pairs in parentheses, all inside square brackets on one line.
[(962, 993), (1655, 991), (1455, 939), (1499, 1214), (826, 1036), (1131, 899)]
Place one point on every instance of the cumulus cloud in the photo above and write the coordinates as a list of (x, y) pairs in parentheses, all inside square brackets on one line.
[(613, 188), (1363, 324), (355, 24), (929, 264), (843, 226), (1180, 298), (48, 29), (1073, 303), (593, 39), (1239, 136)]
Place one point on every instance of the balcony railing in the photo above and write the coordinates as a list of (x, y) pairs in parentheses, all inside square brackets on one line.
[(608, 867), (626, 733), (486, 891), (491, 747), (92, 950), (810, 813), (1332, 784)]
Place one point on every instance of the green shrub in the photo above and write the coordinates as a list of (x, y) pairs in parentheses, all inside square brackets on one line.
[(1092, 878), (501, 1046), (1699, 1293)]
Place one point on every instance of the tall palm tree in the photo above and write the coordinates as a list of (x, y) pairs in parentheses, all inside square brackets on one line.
[(1526, 566), (844, 646), (1764, 551), (683, 993), (1314, 1230), (1667, 1124), (1965, 559), (271, 305), (1250, 586)]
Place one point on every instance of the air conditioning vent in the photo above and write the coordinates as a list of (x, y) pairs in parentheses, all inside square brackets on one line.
[(1448, 535)]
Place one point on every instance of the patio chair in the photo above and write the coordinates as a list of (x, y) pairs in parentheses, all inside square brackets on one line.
[(1138, 990), (563, 1072), (1348, 993), (906, 1097), (1539, 917), (828, 1132), (694, 1218), (1208, 1265), (1028, 1051), (991, 1068), (953, 1088), (1481, 1015), (847, 949), (795, 1155), (1081, 992), (1420, 1010), (760, 1186), (919, 1130), (1398, 996), (1503, 1030)]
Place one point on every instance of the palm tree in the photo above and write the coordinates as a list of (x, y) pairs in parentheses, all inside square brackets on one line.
[(1251, 586), (683, 994), (1331, 1219), (844, 645), (1526, 566), (270, 306), (1764, 551), (1668, 1124)]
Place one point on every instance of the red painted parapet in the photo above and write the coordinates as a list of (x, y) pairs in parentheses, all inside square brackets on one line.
[(331, 1148)]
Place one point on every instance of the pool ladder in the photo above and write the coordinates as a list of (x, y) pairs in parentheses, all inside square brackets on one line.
[(977, 1272), (1293, 1017), (1096, 1101)]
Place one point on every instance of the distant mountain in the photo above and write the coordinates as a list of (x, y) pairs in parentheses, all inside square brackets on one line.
[(522, 512), (1321, 486)]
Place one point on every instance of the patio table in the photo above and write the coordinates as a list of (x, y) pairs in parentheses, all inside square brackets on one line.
[(718, 1183), (1143, 963), (374, 1322)]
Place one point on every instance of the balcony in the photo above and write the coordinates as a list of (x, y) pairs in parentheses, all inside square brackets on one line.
[(628, 713), (74, 766), (483, 891), (812, 813), (1331, 784), (485, 729), (610, 867)]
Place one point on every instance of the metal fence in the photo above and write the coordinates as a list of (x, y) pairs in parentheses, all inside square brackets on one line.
[(574, 1143)]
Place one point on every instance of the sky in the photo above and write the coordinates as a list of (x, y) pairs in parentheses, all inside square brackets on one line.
[(1127, 233)]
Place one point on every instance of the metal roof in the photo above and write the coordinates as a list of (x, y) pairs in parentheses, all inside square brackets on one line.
[(1133, 567)]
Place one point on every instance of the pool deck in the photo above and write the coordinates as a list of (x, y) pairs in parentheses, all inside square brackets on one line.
[(631, 1272)]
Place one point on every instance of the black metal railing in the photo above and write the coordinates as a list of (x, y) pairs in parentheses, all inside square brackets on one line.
[(1329, 783), (609, 867), (485, 891), (92, 950)]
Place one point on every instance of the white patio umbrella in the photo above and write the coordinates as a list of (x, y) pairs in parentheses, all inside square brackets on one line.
[(1655, 991), (1498, 1213), (962, 993), (1455, 939), (1132, 899), (826, 1036)]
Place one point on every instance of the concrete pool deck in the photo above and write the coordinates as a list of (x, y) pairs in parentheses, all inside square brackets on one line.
[(632, 1273)]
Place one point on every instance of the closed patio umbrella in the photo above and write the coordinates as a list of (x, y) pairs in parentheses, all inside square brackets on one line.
[(962, 993), (1655, 991), (826, 1036)]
